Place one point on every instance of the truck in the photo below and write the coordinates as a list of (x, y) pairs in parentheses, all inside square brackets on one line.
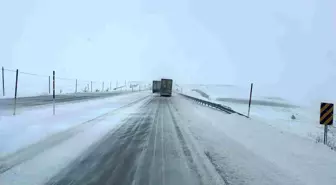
[(166, 87), (156, 86)]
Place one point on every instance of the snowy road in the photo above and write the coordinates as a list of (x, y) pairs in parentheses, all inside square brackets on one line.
[(155, 140), (149, 148)]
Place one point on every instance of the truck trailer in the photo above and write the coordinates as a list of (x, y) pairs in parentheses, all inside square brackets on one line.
[(156, 86), (166, 87)]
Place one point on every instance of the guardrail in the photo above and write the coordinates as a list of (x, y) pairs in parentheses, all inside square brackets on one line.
[(213, 105)]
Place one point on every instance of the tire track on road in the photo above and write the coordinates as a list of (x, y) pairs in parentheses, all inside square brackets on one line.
[(197, 160), (114, 160), (162, 151), (145, 172), (142, 153), (175, 157), (185, 149), (140, 163)]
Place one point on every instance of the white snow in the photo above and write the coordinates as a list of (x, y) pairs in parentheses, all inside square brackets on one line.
[(306, 123), (243, 151), (49, 162), (33, 125), (251, 152)]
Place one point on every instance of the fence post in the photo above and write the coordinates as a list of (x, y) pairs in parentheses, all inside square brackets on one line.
[(91, 86), (249, 108), (16, 86), (49, 84), (76, 87), (53, 92), (103, 87), (3, 81)]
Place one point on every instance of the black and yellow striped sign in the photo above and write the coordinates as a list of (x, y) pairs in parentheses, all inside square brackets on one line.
[(327, 112)]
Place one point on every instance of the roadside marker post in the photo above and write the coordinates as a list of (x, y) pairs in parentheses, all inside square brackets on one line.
[(76, 86), (49, 85), (326, 118), (16, 87), (53, 92), (249, 108), (3, 80), (102, 86)]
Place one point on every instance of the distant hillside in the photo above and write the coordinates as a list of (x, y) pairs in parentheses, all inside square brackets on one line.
[(257, 102)]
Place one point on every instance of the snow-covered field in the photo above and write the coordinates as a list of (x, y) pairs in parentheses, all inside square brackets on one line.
[(274, 111), (38, 123)]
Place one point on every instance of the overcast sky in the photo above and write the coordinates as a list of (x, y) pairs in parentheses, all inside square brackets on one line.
[(287, 46)]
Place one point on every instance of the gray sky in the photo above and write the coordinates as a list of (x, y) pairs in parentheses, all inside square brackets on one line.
[(285, 47)]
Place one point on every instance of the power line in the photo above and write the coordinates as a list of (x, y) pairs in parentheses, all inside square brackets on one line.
[(33, 74), (26, 73)]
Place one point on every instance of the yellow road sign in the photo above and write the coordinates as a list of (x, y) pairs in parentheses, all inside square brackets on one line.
[(326, 113)]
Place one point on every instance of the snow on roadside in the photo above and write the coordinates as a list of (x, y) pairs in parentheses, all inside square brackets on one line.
[(192, 93), (218, 91), (212, 92), (40, 169), (306, 122), (38, 123), (251, 152)]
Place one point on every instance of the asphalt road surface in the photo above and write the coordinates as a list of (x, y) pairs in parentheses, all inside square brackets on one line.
[(150, 148), (8, 103)]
